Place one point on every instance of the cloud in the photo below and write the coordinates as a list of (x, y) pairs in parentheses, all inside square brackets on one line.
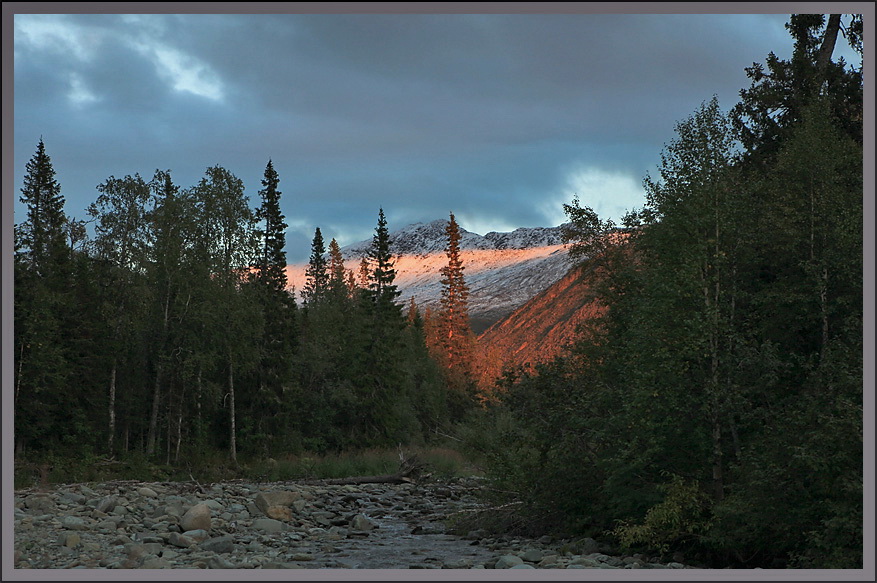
[(57, 35), (79, 93), (610, 193), (184, 72)]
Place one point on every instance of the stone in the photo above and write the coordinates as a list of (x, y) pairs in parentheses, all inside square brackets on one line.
[(268, 525), (361, 523), (220, 544), (214, 505), (136, 550), (265, 500), (147, 492), (275, 565), (523, 566), (39, 503), (74, 523), (106, 503), (549, 561), (508, 561), (279, 513), (585, 562), (171, 509), (532, 555), (197, 535), (197, 517), (215, 562), (73, 498), (180, 540), (69, 539), (155, 563)]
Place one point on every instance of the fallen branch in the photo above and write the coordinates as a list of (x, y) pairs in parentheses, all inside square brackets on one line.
[(409, 472), (486, 509)]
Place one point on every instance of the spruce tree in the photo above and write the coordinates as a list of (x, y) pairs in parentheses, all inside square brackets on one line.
[(271, 263), (363, 273), (316, 274), (382, 289), (278, 309), (43, 404), (455, 330), (42, 238), (337, 273)]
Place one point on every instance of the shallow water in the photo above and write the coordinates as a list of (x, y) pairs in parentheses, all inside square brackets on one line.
[(392, 545)]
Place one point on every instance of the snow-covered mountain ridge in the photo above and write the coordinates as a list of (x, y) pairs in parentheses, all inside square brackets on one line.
[(503, 270)]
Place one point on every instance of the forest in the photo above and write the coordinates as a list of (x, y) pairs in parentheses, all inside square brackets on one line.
[(713, 409)]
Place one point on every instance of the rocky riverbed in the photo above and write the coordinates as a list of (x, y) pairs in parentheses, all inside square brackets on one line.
[(285, 525)]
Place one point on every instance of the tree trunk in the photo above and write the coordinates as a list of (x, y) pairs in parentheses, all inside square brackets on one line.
[(823, 307), (409, 470), (233, 446), (829, 38), (198, 402), (153, 418), (718, 480), (20, 363), (112, 410)]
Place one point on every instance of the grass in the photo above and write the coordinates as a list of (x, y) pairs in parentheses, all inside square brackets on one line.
[(440, 462)]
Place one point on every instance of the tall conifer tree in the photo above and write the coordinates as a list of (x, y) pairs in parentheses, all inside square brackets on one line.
[(271, 264), (337, 272), (316, 274), (42, 307), (382, 288), (455, 330), (42, 238)]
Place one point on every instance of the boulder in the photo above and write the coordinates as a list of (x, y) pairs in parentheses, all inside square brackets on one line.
[(279, 513), (509, 561), (197, 517), (362, 523), (74, 523), (220, 544), (197, 535), (40, 503), (180, 540), (532, 555), (106, 503), (268, 525), (265, 500)]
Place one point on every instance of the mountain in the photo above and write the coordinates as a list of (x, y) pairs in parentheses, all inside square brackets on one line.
[(503, 270), (537, 331)]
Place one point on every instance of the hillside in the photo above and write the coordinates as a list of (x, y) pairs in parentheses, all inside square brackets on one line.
[(537, 331)]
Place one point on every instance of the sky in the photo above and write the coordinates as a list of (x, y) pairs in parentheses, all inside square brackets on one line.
[(498, 118)]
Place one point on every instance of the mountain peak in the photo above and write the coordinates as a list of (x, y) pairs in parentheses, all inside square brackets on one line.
[(427, 238)]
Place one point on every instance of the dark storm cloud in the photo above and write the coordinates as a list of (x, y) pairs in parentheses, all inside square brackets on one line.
[(499, 118)]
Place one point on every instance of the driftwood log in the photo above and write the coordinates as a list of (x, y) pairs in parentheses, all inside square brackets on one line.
[(410, 470)]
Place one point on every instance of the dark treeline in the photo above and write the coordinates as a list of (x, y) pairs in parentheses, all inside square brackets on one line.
[(170, 334), (716, 409)]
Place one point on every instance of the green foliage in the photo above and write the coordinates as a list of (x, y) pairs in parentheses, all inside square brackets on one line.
[(677, 519)]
